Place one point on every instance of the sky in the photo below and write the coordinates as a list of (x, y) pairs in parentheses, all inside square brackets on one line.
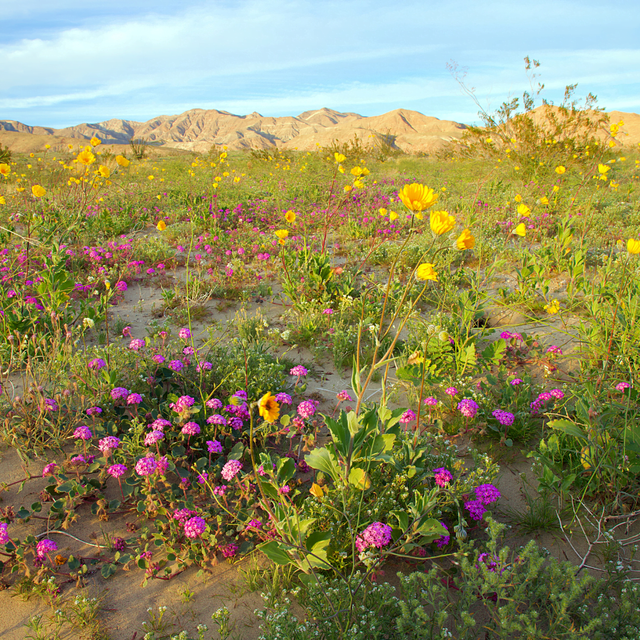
[(65, 62)]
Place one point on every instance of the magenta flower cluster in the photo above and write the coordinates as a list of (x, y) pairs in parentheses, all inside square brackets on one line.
[(468, 408), (231, 469), (376, 535)]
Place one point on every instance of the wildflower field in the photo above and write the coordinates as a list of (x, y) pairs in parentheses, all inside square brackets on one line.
[(302, 373)]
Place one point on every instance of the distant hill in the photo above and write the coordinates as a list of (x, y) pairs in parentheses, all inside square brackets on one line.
[(200, 129)]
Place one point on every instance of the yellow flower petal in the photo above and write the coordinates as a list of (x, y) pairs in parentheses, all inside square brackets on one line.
[(633, 246), (523, 210), (290, 216), (161, 226), (520, 230), (417, 197), (426, 272), (38, 191), (441, 222), (268, 408), (465, 240)]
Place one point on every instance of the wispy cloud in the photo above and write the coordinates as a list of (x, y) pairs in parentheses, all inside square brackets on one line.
[(286, 56)]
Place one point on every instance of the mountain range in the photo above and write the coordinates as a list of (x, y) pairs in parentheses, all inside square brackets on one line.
[(200, 129)]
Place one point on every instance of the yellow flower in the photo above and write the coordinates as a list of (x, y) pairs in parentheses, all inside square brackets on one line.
[(441, 222), (268, 408), (95, 141), (347, 188), (38, 191), (47, 146), (552, 308), (340, 168), (358, 184), (150, 177), (556, 188), (161, 226), (382, 211), (518, 198), (122, 161), (339, 158), (603, 169), (392, 216), (523, 210), (560, 170), (465, 240), (633, 246), (86, 157), (5, 169), (426, 272), (282, 234), (104, 171), (316, 490), (417, 197), (520, 230), (290, 216), (415, 358), (357, 171), (544, 200), (2, 200)]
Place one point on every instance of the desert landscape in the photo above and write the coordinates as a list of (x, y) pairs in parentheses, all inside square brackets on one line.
[(320, 376)]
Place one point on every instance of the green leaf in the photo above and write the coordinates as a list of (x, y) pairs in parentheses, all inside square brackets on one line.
[(403, 519), (324, 460), (286, 469), (359, 478), (568, 427), (275, 552), (107, 570)]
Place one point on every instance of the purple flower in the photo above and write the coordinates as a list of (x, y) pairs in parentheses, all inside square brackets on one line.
[(214, 446), (298, 370), (96, 364), (134, 398), (106, 445), (94, 411), (190, 429), (184, 333), (515, 382), (545, 396), (204, 366), (159, 424), (468, 408), (503, 417), (231, 469), (121, 286), (506, 335), (476, 509), (119, 393), (176, 365), (146, 466), (407, 416), (117, 470), (252, 524), (45, 546), (443, 476), (283, 398), (152, 437), (306, 408), (182, 515), (4, 536), (162, 465), (444, 539), (229, 550), (48, 469), (216, 418), (236, 423), (451, 391), (213, 403), (344, 396), (375, 535), (137, 343), (431, 401), (158, 359), (82, 433), (50, 405), (535, 406), (487, 493), (220, 490), (182, 403), (621, 386), (194, 527), (555, 350)]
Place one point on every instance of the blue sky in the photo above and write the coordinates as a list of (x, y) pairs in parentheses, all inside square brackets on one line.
[(70, 61)]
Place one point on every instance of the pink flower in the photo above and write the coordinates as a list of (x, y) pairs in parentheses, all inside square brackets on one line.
[(4, 536), (121, 286), (146, 466), (375, 535), (306, 409), (184, 333), (344, 396), (45, 546), (194, 527), (451, 391), (191, 429), (137, 343), (443, 476), (231, 469), (430, 401), (82, 433), (407, 417), (214, 446), (117, 470), (48, 470), (298, 370), (468, 408)]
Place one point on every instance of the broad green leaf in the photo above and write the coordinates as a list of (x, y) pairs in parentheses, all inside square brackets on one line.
[(324, 460), (359, 478), (275, 552), (568, 427)]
